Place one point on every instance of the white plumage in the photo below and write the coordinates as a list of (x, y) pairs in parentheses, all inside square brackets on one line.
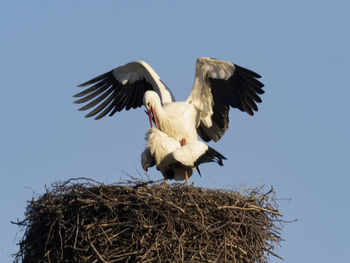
[(218, 85), (174, 147), (138, 70), (172, 159)]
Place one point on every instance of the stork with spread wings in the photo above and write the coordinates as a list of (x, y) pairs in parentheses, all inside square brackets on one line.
[(218, 85)]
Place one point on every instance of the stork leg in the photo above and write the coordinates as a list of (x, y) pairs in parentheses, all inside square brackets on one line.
[(165, 181), (186, 178), (183, 141)]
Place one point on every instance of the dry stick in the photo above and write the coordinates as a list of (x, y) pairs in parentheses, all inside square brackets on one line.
[(110, 242), (198, 209), (252, 207), (61, 241), (48, 236), (95, 250), (156, 212), (47, 254), (122, 256), (76, 232), (165, 201)]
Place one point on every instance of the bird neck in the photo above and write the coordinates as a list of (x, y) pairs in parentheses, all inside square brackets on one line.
[(160, 113)]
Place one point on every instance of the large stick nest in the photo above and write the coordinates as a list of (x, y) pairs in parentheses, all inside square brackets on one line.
[(139, 222)]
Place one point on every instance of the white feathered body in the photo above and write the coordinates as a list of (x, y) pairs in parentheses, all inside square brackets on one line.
[(169, 154), (181, 119), (218, 85), (178, 120)]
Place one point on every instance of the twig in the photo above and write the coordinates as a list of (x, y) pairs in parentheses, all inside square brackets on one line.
[(96, 252), (251, 207)]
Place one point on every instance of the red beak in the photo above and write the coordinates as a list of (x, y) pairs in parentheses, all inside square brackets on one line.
[(150, 117), (155, 118)]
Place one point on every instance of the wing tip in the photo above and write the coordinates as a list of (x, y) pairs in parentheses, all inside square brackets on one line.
[(78, 101), (248, 71), (83, 84), (90, 114)]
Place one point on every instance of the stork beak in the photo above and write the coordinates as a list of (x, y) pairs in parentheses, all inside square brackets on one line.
[(155, 118), (149, 112)]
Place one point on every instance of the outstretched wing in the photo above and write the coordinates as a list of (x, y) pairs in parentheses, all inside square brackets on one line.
[(219, 85), (121, 88)]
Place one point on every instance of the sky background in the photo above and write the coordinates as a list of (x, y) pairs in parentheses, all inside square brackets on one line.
[(298, 141)]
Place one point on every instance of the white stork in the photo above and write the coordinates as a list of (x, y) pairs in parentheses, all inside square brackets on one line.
[(173, 160), (217, 86)]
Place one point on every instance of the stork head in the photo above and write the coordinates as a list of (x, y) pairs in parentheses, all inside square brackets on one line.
[(151, 101)]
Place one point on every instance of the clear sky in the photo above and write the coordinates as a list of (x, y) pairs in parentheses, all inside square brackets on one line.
[(298, 141)]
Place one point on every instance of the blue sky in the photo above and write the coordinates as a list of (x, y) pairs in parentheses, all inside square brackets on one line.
[(298, 141)]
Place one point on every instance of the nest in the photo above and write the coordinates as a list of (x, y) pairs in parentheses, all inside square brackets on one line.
[(140, 222)]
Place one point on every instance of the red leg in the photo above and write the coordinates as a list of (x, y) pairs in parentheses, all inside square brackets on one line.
[(165, 181), (183, 142), (186, 178)]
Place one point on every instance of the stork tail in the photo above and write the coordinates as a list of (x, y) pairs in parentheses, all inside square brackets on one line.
[(210, 155)]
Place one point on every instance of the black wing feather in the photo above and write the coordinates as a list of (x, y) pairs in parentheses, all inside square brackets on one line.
[(96, 79), (118, 105), (240, 91), (132, 98), (94, 93), (97, 100), (102, 105), (108, 95), (210, 155), (92, 88), (107, 109)]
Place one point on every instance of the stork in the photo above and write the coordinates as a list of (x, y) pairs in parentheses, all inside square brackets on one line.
[(176, 161), (218, 85)]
